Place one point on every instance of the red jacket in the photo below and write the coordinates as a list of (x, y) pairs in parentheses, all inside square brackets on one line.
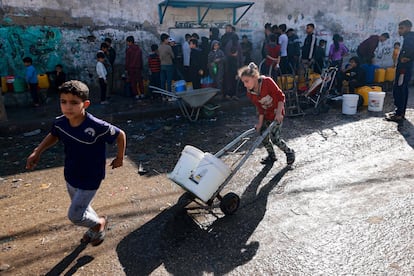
[(273, 51), (133, 57), (267, 99)]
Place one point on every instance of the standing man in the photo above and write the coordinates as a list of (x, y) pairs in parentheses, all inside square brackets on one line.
[(111, 57), (133, 66), (166, 56), (196, 64), (293, 50), (186, 56), (309, 46), (232, 62), (366, 49), (403, 72)]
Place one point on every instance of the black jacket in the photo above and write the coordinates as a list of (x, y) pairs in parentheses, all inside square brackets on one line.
[(309, 47)]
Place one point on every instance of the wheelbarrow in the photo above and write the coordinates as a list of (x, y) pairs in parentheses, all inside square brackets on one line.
[(203, 175), (190, 102)]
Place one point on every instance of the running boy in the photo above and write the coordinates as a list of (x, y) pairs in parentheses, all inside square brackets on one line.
[(269, 100), (84, 138)]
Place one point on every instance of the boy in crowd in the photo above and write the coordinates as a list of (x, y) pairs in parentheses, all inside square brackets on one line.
[(353, 73), (320, 56), (102, 73), (84, 138), (154, 65), (395, 53), (216, 64), (31, 80)]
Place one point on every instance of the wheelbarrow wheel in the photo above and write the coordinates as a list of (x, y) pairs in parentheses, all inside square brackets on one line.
[(230, 203), (208, 110), (185, 199)]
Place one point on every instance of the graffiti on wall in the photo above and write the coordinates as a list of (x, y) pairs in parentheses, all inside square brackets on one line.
[(39, 43), (75, 49)]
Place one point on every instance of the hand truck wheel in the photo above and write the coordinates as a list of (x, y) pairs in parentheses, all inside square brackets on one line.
[(230, 203), (185, 199)]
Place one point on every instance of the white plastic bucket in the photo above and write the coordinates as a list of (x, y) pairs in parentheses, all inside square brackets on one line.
[(349, 104), (376, 101), (188, 161), (207, 177)]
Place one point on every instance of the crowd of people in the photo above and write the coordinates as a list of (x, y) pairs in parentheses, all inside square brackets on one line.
[(215, 60)]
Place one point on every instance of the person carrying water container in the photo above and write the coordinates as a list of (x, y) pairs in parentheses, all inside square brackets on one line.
[(269, 101)]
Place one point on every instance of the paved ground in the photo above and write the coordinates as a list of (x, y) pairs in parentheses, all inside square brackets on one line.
[(347, 207)]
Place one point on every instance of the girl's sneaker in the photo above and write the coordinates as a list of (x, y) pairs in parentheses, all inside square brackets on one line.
[(290, 157), (270, 159)]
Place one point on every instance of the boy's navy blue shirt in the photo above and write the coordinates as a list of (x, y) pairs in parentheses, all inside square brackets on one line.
[(85, 149)]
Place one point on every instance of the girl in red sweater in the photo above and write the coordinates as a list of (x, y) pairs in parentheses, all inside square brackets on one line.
[(270, 104)]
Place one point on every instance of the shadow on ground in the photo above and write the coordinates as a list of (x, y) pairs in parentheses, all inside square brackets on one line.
[(175, 240), (66, 262), (406, 129)]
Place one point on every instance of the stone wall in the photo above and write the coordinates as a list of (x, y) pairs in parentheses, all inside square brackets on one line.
[(70, 32)]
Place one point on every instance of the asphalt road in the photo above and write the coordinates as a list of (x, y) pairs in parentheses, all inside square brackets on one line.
[(346, 207)]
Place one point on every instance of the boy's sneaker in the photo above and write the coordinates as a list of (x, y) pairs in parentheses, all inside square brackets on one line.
[(270, 159), (290, 157)]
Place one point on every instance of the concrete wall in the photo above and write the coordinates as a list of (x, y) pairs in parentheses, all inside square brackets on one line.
[(70, 32)]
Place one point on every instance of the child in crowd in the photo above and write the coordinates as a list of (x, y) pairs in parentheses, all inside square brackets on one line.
[(272, 54), (154, 65), (337, 51), (56, 78), (60, 76), (216, 64), (31, 80), (196, 64), (353, 73), (396, 53), (320, 56), (84, 138), (247, 48), (270, 105), (101, 71)]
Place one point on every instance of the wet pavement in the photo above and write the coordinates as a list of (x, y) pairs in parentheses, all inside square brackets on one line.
[(346, 207)]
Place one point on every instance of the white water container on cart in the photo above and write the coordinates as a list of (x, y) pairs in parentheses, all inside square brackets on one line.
[(207, 177), (188, 161)]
